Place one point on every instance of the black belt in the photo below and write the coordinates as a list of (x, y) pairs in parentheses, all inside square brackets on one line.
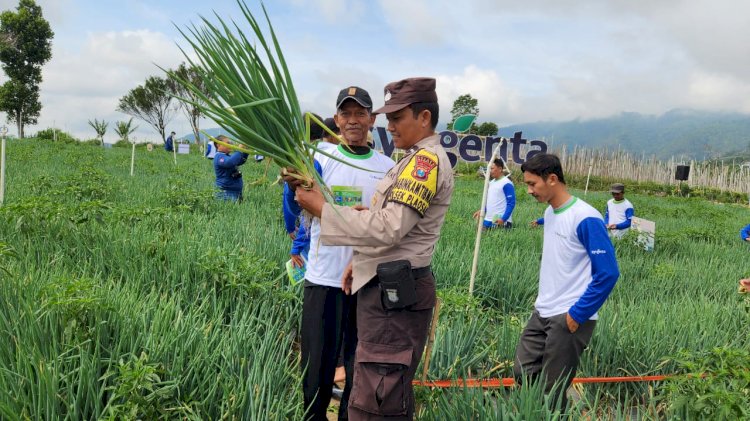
[(421, 272)]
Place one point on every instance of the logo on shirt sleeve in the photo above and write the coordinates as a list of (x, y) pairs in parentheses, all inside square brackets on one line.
[(417, 184)]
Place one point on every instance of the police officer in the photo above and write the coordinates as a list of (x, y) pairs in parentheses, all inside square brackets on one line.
[(393, 244)]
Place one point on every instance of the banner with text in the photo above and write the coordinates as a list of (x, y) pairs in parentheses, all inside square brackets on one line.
[(472, 148)]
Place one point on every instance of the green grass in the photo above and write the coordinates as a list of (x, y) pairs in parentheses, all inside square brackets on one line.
[(144, 297)]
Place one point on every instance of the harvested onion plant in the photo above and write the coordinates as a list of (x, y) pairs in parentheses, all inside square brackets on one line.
[(247, 89)]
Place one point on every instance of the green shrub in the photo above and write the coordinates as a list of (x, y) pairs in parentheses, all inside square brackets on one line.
[(714, 384), (56, 134)]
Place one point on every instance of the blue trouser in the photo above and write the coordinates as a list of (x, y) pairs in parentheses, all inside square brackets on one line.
[(490, 225), (233, 195)]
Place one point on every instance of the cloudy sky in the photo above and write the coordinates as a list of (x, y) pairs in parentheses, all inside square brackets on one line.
[(524, 61)]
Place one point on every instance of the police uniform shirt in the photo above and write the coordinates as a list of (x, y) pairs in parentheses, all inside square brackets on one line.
[(404, 217), (325, 264)]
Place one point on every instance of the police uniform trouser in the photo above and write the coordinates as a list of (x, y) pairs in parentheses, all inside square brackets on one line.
[(389, 348)]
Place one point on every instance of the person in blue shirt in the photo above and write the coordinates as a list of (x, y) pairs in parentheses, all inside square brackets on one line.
[(578, 272), (501, 198), (619, 213), (228, 177), (210, 150), (169, 143), (745, 233)]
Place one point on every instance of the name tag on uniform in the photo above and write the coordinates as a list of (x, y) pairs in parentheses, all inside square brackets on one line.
[(347, 195)]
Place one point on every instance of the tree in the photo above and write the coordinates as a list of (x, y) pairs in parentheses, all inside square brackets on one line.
[(487, 129), (191, 107), (125, 129), (20, 102), (464, 104), (151, 102), (25, 45), (100, 127)]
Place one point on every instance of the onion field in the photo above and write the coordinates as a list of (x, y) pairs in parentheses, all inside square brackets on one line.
[(143, 297)]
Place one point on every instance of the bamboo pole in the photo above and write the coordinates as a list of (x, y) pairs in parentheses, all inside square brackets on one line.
[(3, 132), (431, 340), (132, 160), (588, 177)]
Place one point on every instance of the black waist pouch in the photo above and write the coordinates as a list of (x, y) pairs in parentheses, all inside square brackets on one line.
[(397, 285)]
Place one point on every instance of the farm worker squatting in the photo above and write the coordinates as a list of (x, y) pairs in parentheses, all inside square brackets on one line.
[(228, 177), (578, 272), (328, 314), (169, 143), (501, 198), (745, 233), (619, 214), (393, 245)]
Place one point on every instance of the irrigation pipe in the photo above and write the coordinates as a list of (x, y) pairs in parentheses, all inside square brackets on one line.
[(480, 220), (510, 382)]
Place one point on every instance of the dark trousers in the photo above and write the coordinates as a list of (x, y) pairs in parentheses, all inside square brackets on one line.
[(328, 324), (548, 348), (388, 352)]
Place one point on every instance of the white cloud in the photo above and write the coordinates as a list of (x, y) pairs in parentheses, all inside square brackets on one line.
[(496, 101), (335, 10), (87, 84), (416, 21)]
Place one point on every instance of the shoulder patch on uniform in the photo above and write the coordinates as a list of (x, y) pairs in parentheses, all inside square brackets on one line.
[(417, 184)]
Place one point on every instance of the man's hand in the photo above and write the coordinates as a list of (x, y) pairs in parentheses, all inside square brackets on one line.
[(477, 214), (499, 221), (288, 175), (611, 226), (360, 208), (534, 224), (747, 239), (346, 280), (297, 260), (311, 200), (293, 235), (572, 324)]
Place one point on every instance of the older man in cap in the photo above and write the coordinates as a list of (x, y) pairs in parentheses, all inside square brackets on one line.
[(351, 170), (619, 213), (393, 245)]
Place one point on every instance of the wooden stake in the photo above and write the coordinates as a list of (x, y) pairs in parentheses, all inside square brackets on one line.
[(480, 220), (132, 160), (3, 132), (430, 340)]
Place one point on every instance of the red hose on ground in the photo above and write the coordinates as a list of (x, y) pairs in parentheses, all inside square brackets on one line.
[(508, 381)]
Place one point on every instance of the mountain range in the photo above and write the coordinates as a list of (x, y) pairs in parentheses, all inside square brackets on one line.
[(682, 133)]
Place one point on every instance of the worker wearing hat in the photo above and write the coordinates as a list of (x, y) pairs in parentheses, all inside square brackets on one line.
[(619, 213), (393, 245)]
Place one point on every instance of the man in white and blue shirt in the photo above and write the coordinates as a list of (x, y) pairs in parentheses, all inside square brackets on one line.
[(578, 272), (619, 213), (501, 198)]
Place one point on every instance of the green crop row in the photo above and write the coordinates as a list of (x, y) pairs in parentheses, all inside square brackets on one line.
[(143, 297)]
